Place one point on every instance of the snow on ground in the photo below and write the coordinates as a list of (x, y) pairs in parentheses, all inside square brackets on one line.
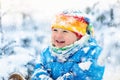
[(25, 32)]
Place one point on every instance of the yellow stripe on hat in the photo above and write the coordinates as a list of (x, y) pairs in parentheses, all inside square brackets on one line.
[(70, 23)]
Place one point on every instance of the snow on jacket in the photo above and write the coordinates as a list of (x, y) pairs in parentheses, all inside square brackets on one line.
[(81, 64)]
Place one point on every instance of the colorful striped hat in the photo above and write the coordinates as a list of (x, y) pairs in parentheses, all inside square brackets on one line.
[(73, 21)]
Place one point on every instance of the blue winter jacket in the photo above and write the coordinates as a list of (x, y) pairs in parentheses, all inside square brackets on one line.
[(82, 65)]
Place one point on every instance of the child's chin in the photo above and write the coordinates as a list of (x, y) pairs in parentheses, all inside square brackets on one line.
[(59, 45)]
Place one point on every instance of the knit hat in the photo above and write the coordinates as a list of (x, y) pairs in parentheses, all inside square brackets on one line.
[(73, 21)]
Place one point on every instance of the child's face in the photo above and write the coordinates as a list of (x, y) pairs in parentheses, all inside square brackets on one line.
[(62, 38)]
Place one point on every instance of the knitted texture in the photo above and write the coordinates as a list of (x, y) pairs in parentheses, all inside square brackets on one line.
[(72, 21)]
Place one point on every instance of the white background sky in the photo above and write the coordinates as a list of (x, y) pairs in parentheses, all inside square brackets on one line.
[(49, 6)]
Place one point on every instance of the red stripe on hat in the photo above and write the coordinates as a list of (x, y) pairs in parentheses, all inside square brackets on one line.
[(78, 35)]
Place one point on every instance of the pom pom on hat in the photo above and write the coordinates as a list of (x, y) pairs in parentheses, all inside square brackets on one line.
[(74, 21)]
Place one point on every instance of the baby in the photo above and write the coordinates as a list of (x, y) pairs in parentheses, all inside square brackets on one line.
[(73, 52)]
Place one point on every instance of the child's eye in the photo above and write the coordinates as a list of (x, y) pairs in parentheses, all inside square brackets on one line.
[(55, 30), (65, 31)]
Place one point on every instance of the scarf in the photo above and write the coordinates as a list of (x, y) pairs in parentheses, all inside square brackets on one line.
[(62, 54)]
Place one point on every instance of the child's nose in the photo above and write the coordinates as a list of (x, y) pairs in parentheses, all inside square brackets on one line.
[(59, 35)]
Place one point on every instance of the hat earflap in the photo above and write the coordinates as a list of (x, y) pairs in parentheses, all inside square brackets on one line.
[(90, 30)]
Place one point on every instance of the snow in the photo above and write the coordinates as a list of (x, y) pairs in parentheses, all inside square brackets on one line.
[(25, 32), (85, 65)]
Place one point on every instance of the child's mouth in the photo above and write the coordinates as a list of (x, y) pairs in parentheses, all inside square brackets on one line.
[(60, 41)]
